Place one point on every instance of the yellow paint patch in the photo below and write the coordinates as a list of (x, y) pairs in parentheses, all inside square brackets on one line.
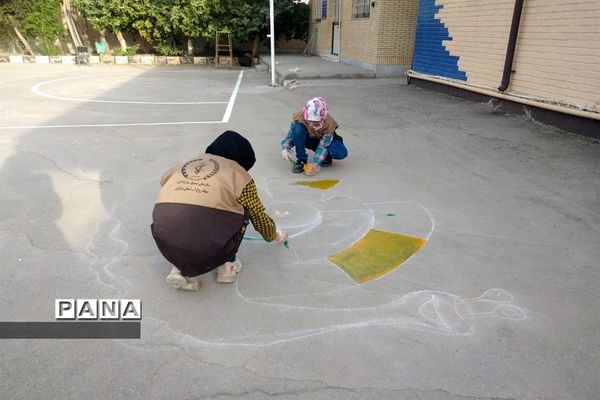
[(375, 254), (322, 184)]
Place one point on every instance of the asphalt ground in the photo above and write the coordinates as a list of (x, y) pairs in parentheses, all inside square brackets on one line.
[(500, 302)]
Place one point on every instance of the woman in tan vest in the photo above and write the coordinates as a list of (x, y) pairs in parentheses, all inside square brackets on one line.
[(202, 211)]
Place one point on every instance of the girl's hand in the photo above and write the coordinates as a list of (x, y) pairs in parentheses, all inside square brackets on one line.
[(311, 169)]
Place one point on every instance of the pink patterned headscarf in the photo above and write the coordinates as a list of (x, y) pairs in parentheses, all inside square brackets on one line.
[(316, 110)]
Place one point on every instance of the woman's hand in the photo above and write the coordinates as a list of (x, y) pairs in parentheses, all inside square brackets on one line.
[(280, 236)]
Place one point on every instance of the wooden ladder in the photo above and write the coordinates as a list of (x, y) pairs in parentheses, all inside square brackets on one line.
[(221, 48)]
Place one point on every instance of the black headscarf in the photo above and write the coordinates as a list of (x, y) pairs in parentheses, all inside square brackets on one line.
[(235, 147)]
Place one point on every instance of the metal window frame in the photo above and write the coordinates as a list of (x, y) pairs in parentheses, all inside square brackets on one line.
[(317, 11), (361, 8)]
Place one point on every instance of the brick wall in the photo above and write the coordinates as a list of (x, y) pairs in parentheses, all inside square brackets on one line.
[(385, 37), (479, 33), (558, 52), (396, 31), (322, 39), (558, 46), (359, 35)]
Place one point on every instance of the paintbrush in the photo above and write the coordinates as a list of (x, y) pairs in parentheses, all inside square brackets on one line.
[(285, 242)]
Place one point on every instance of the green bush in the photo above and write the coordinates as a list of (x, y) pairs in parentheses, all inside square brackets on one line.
[(167, 50), (130, 51), (208, 51), (47, 48), (44, 22)]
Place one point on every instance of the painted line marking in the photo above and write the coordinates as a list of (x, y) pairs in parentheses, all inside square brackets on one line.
[(232, 98), (36, 89), (109, 125), (225, 119)]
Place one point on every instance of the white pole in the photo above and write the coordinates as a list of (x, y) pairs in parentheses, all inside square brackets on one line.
[(272, 31)]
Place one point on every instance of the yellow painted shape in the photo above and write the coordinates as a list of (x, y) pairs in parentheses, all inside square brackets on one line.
[(376, 253), (322, 184)]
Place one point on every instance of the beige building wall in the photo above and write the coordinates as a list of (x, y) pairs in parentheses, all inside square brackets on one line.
[(383, 42), (397, 31), (479, 32), (321, 32), (557, 58), (558, 52), (359, 36)]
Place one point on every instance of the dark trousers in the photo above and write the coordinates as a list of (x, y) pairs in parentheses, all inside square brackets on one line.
[(336, 149)]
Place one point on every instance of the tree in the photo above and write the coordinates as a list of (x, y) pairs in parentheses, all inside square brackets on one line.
[(168, 24), (186, 17), (291, 19), (44, 23), (153, 23), (243, 19), (12, 16), (114, 16), (248, 20), (37, 19), (69, 21)]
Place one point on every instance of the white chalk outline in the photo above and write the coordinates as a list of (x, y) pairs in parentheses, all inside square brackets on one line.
[(430, 311), (353, 285), (413, 313), (332, 194), (224, 120)]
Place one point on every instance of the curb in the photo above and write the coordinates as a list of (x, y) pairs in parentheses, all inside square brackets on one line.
[(291, 80), (145, 59)]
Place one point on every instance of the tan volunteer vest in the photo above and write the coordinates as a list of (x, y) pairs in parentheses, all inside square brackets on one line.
[(208, 180), (328, 127)]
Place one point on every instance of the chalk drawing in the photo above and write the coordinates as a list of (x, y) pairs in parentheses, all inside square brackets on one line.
[(331, 224), (322, 184), (108, 249), (320, 223), (304, 315), (427, 311), (376, 253)]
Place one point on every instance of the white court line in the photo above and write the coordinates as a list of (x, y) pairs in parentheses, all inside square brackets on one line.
[(36, 89), (225, 119), (232, 98), (110, 125)]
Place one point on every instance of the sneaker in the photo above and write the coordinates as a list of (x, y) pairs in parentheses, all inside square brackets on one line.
[(175, 278), (327, 162), (298, 167), (227, 273), (190, 285), (178, 281)]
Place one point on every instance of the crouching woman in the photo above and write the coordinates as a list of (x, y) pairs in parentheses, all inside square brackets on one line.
[(202, 211)]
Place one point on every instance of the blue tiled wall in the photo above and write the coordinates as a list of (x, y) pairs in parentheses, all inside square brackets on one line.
[(430, 56)]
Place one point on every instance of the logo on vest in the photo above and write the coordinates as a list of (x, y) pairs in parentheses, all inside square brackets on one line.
[(200, 169)]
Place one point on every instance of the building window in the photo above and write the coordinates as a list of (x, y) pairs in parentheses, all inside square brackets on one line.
[(324, 9), (336, 10), (318, 9), (361, 8)]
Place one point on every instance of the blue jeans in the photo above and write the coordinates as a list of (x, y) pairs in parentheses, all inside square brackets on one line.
[(337, 150)]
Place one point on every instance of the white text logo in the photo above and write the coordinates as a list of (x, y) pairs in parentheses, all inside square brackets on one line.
[(98, 309)]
